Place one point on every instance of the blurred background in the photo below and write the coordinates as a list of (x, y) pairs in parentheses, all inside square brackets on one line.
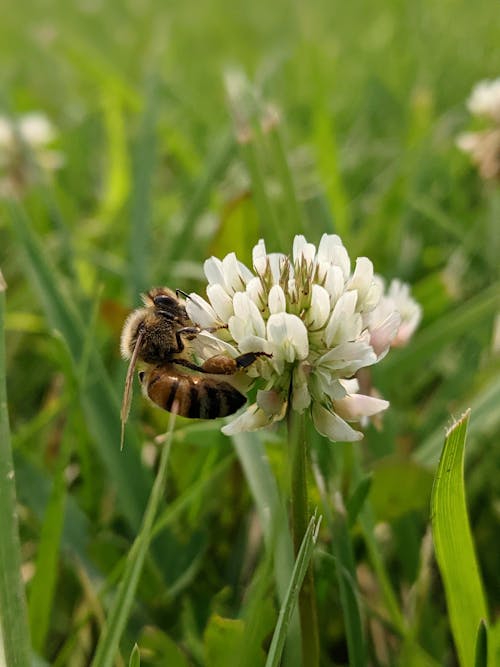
[(130, 175)]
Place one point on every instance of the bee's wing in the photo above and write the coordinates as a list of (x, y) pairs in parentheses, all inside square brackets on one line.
[(127, 391)]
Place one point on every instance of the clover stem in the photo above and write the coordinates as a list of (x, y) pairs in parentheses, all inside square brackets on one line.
[(299, 520)]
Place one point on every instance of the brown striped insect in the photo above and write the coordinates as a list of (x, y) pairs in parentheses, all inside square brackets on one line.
[(155, 336)]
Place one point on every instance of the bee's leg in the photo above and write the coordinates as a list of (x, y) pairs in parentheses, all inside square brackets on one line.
[(248, 359), (222, 365), (216, 365), (219, 364), (189, 332), (189, 364)]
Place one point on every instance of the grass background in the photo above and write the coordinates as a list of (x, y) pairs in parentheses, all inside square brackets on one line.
[(372, 96)]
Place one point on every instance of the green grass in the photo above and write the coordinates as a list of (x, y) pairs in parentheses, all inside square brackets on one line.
[(371, 97)]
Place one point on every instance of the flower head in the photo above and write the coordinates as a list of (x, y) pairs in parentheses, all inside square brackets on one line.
[(485, 100), (32, 130), (317, 318), (484, 146)]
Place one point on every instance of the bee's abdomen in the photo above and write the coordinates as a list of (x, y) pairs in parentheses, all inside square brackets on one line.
[(194, 397)]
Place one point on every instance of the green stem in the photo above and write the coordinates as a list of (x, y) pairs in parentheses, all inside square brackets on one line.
[(14, 634), (300, 519)]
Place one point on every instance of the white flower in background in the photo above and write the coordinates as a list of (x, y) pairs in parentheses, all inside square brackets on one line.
[(485, 100), (316, 318), (484, 146), (32, 131), (396, 301), (484, 150)]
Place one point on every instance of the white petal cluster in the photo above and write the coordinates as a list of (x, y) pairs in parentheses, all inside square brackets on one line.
[(484, 146), (33, 130), (485, 100), (396, 303), (319, 319)]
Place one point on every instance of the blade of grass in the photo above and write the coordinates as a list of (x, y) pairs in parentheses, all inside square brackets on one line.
[(107, 646), (481, 654), (217, 164), (274, 521), (117, 182), (295, 223), (367, 524), (290, 600), (13, 617), (98, 398), (484, 419), (298, 457), (263, 204), (325, 141), (345, 569), (44, 581), (452, 536), (135, 657), (143, 165)]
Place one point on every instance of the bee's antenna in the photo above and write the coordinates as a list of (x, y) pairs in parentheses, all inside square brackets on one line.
[(184, 294)]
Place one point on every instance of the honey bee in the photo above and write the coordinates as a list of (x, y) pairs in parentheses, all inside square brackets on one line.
[(155, 336)]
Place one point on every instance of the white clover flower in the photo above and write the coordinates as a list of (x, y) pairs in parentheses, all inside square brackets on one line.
[(484, 146), (484, 150), (485, 100), (396, 304), (318, 321), (35, 131)]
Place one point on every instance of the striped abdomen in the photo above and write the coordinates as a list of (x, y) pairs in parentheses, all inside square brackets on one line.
[(196, 396)]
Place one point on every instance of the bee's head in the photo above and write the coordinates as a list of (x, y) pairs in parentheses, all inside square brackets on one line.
[(166, 303)]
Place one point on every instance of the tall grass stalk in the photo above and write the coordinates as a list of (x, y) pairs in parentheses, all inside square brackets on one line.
[(14, 633), (107, 647), (300, 520)]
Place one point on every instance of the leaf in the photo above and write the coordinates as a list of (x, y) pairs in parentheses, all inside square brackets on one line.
[(107, 646), (135, 657), (481, 659), (98, 398), (222, 641), (14, 640), (274, 521), (44, 581), (452, 537), (290, 601), (161, 649)]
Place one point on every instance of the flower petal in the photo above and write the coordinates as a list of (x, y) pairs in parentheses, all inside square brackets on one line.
[(384, 334), (214, 271), (201, 312), (221, 302), (303, 251), (236, 274), (272, 403), (347, 358), (277, 300), (345, 323), (332, 251), (259, 257), (332, 426), (319, 310), (289, 334), (301, 396), (356, 406), (253, 419), (361, 281), (334, 282)]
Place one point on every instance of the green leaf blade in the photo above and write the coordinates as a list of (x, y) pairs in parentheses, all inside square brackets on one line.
[(452, 537)]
